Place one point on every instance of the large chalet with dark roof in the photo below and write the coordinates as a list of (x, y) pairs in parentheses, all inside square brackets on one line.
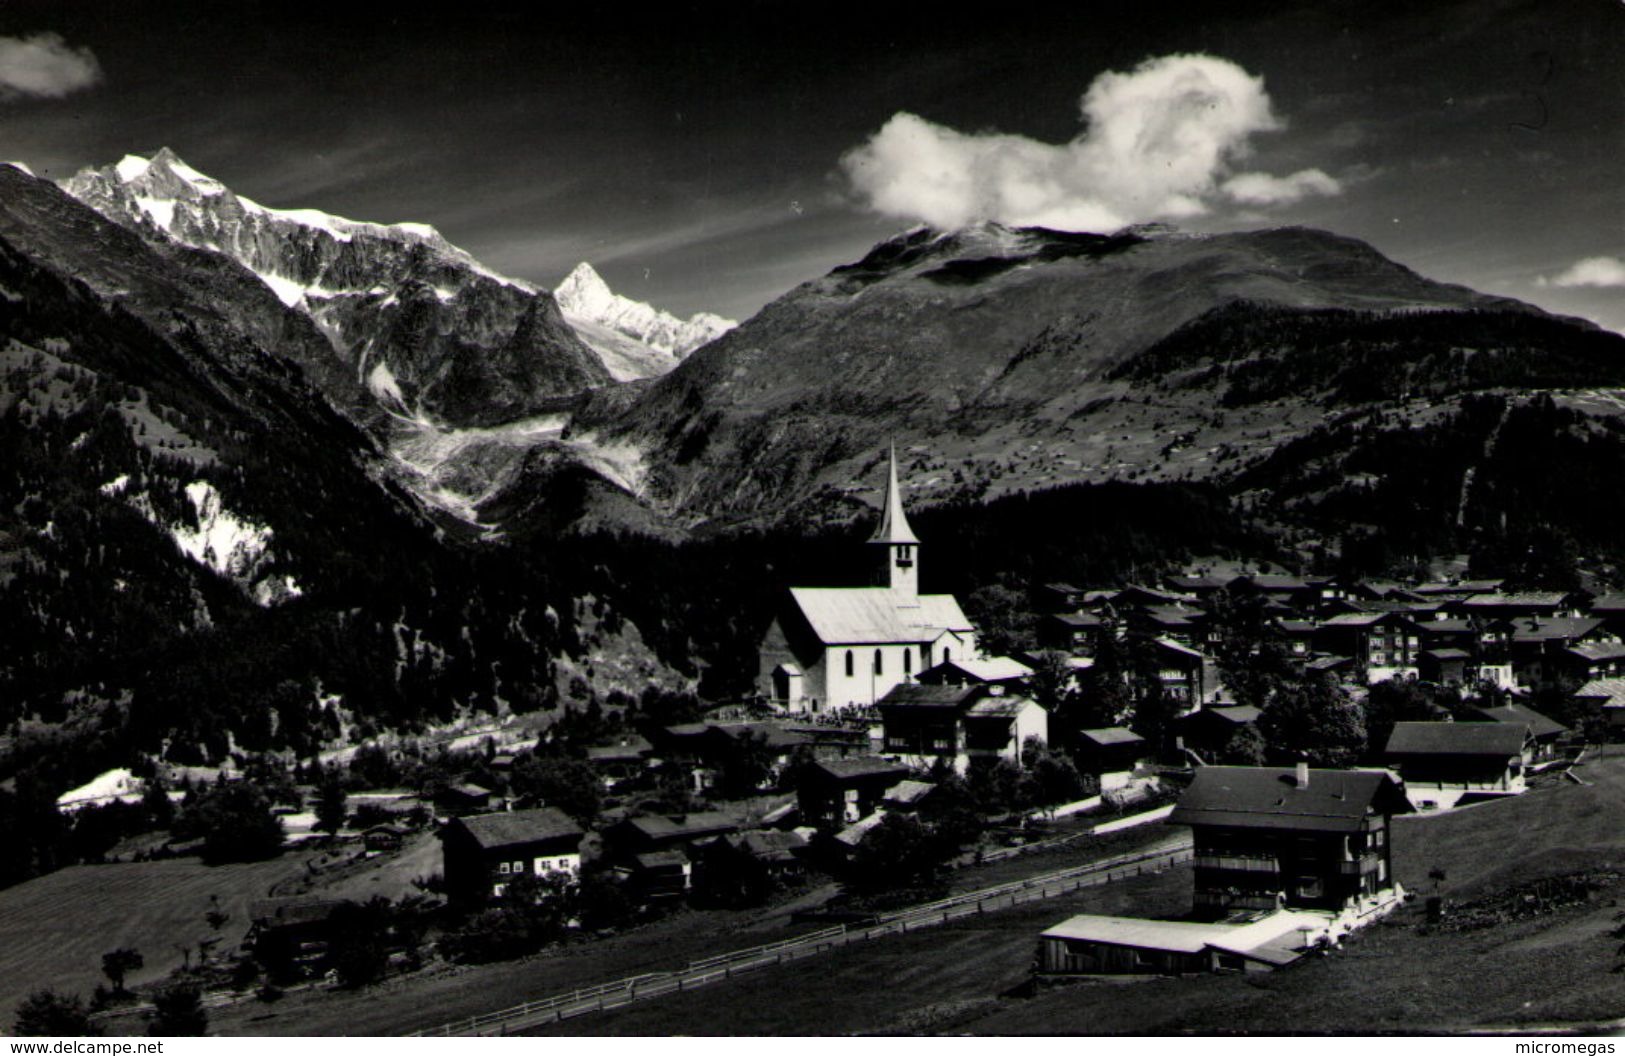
[(485, 852), (1300, 838), (1445, 762), (923, 723)]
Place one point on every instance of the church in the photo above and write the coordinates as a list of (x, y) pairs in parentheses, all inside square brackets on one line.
[(839, 647)]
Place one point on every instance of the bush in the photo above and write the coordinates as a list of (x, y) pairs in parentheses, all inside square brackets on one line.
[(46, 1012)]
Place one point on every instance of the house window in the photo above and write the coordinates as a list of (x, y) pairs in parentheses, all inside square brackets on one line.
[(849, 663), (1309, 887), (880, 666), (503, 869), (519, 867)]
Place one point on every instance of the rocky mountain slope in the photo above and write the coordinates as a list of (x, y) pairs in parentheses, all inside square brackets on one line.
[(1003, 360), (431, 334), (197, 551), (636, 340)]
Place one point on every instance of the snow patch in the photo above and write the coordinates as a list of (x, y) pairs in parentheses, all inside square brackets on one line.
[(287, 291), (585, 296), (19, 166), (381, 380), (162, 210), (116, 486), (104, 788), (131, 168)]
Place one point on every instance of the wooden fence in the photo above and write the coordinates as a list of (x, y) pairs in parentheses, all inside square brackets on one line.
[(739, 962)]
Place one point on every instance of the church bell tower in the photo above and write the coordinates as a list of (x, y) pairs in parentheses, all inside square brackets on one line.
[(901, 569)]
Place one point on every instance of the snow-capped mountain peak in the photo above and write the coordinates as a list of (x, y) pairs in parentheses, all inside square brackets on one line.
[(300, 253), (588, 302)]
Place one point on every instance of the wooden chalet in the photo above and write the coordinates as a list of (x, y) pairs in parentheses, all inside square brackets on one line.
[(836, 793), (1444, 763), (484, 852), (922, 724), (1300, 838)]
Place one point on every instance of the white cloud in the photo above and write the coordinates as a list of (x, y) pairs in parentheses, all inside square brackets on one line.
[(1260, 188), (1592, 271), (45, 65), (1157, 143)]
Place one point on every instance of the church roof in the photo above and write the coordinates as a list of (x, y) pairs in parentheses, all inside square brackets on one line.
[(894, 526), (864, 615)]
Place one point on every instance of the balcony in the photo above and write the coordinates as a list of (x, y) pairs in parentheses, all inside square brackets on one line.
[(1240, 863), (1366, 863)]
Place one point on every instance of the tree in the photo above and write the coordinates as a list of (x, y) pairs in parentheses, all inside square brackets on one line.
[(44, 1013), (1315, 720), (116, 964), (1392, 701), (236, 824), (1245, 748), (897, 853), (178, 1012), (1053, 778), (331, 803), (1253, 661), (358, 945), (746, 765), (571, 785), (997, 785)]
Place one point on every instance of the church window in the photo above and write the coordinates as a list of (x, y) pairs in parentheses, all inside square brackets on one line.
[(849, 663), (880, 666), (947, 654), (908, 662)]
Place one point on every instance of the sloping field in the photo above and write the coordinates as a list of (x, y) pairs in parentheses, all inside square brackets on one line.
[(54, 929)]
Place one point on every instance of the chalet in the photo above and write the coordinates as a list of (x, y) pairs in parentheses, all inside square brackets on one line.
[(1610, 608), (1203, 588), (1136, 596), (1540, 646), (1059, 597), (905, 797), (384, 838), (1208, 731), (1444, 667), (484, 852), (838, 792), (464, 798), (1445, 762), (1109, 756), (1298, 593), (663, 832), (994, 671), (623, 761), (1544, 733), (1188, 677), (752, 862), (1607, 696), (836, 647), (1077, 633), (1299, 838), (290, 934), (1297, 636), (1590, 660), (1386, 643), (656, 876), (922, 724), (1548, 604)]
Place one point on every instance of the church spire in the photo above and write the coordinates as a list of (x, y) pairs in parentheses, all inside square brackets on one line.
[(900, 570), (894, 528)]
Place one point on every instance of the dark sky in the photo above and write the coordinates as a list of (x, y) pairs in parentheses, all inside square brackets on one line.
[(693, 153)]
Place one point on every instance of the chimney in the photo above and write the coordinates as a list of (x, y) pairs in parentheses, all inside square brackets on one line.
[(1303, 774)]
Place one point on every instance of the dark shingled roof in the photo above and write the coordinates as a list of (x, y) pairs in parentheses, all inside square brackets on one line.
[(684, 825), (1266, 797), (1517, 714), (280, 912), (920, 695), (1240, 714), (860, 766), (519, 826), (1456, 738)]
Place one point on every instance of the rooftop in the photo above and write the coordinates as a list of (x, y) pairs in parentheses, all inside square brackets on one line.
[(1518, 714), (1111, 735), (1271, 798), (866, 615), (1267, 938), (859, 766), (1499, 739), (519, 826)]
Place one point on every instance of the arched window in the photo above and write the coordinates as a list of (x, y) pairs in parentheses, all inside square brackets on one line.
[(925, 656), (880, 667), (947, 654), (908, 662), (849, 663)]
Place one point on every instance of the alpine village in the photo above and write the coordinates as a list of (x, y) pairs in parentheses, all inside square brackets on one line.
[(1276, 666)]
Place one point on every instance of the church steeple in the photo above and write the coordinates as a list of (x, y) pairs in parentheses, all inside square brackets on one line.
[(901, 570)]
